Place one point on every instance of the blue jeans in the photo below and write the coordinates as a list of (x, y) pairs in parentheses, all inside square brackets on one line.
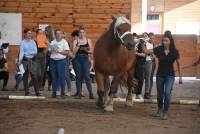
[(18, 78), (147, 76), (58, 68), (164, 88), (82, 69), (67, 77)]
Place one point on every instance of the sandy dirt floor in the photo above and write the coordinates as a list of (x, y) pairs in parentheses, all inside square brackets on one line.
[(83, 117)]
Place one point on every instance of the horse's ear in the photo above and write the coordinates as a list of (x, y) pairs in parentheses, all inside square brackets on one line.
[(113, 17), (128, 16)]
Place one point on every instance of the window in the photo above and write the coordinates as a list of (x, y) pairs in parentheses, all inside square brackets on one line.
[(153, 17), (11, 27)]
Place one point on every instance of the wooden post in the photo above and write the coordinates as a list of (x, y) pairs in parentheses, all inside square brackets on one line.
[(198, 56), (144, 15)]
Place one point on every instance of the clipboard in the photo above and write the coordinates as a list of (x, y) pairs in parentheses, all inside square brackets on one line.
[(4, 45)]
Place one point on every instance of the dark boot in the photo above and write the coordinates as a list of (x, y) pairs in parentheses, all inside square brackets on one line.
[(147, 96), (158, 113), (62, 95), (91, 96), (53, 95), (27, 93)]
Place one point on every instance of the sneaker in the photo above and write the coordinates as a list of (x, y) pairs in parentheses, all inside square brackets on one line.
[(164, 116), (68, 94), (134, 96), (58, 93), (158, 114), (139, 96)]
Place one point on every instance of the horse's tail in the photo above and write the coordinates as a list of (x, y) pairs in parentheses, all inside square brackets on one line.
[(124, 83)]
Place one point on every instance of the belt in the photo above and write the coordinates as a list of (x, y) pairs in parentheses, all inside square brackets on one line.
[(27, 59), (82, 54)]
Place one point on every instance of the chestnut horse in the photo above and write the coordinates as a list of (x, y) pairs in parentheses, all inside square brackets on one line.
[(114, 55)]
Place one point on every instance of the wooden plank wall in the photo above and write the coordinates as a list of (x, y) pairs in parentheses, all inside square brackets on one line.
[(95, 15), (67, 15), (180, 11), (58, 13)]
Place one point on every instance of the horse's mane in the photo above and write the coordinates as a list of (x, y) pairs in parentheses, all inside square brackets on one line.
[(121, 20), (112, 25), (50, 32), (112, 28)]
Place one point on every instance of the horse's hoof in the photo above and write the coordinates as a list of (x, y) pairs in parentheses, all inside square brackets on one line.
[(129, 104), (99, 104), (108, 108)]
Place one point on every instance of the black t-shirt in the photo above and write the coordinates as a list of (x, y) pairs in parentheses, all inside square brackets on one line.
[(165, 65), (139, 50), (2, 63)]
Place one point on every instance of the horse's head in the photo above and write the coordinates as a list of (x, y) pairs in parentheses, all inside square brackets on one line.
[(122, 31)]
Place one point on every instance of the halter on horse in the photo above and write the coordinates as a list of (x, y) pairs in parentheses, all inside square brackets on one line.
[(119, 21), (114, 55)]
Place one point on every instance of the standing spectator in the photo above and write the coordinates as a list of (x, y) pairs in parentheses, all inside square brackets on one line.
[(147, 67), (50, 34), (82, 47), (28, 51), (166, 54), (42, 44), (75, 36), (4, 75), (59, 50), (67, 73), (139, 68), (4, 48), (151, 40)]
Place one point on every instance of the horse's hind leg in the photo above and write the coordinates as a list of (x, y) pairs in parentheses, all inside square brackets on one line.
[(100, 89)]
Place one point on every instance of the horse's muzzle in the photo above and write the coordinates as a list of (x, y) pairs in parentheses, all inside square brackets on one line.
[(130, 46)]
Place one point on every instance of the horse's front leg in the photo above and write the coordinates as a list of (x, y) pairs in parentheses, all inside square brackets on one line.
[(130, 84), (100, 89), (113, 90)]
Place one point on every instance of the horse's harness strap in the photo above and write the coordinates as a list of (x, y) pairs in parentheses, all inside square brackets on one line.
[(123, 35)]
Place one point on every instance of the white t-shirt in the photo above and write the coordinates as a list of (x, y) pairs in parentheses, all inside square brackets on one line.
[(58, 46), (149, 46)]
